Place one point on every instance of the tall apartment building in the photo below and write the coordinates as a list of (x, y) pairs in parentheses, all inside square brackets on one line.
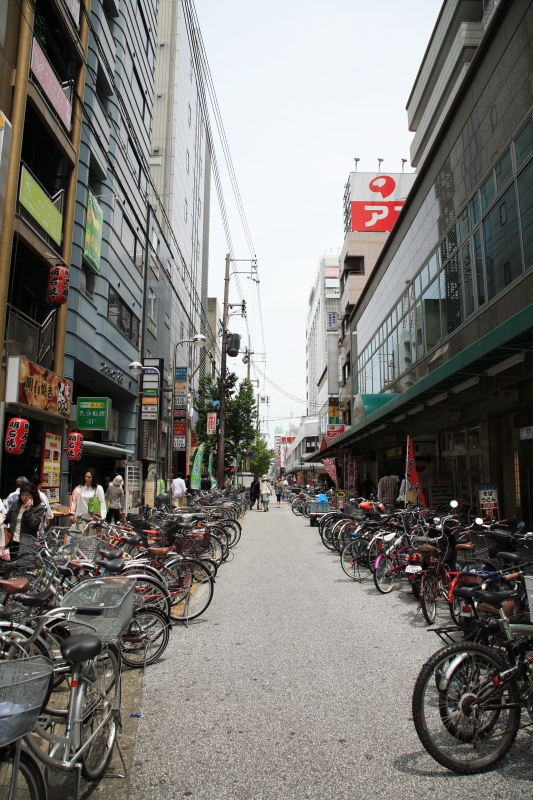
[(321, 337)]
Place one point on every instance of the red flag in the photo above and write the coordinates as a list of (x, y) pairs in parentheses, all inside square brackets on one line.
[(411, 474), (329, 464)]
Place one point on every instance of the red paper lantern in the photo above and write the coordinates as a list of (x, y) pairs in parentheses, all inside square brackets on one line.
[(74, 446), (16, 435), (58, 283)]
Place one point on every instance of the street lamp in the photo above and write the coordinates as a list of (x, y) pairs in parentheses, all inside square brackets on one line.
[(198, 340)]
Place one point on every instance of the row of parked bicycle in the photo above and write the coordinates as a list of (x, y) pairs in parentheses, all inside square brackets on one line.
[(77, 606), (474, 696)]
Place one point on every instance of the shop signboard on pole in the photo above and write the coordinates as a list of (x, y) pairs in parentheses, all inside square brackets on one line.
[(179, 412), (488, 502), (211, 423)]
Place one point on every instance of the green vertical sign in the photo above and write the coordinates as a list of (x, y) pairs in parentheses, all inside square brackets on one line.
[(196, 474), (92, 250)]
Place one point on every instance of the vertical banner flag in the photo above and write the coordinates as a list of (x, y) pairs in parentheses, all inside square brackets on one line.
[(196, 474), (214, 482), (236, 465), (411, 476), (329, 464)]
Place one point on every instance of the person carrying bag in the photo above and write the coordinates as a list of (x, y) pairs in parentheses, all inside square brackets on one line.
[(265, 490)]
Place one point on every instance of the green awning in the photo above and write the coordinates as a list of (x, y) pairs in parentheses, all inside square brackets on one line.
[(513, 336)]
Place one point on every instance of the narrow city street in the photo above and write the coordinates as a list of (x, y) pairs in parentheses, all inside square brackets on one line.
[(295, 684)]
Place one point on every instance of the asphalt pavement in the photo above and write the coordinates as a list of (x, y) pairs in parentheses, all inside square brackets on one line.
[(296, 683)]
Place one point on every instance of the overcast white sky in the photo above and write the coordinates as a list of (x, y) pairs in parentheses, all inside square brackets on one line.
[(303, 88)]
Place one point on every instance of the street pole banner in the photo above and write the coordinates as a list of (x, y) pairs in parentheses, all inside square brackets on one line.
[(236, 465), (329, 464), (214, 482), (196, 474), (414, 487)]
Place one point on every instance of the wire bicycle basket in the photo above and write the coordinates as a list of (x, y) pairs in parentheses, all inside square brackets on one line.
[(112, 599), (24, 685)]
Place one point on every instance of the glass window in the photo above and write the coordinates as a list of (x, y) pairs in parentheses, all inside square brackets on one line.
[(424, 276), (433, 266), (463, 225), (128, 237), (459, 440), (473, 438), (133, 160), (525, 193), (502, 244), (432, 313), (478, 261), (443, 251), (488, 193), (468, 279), (473, 207), (524, 144), (452, 296), (137, 91), (504, 171), (405, 302)]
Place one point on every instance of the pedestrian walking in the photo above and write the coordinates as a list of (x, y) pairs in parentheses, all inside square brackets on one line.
[(388, 488), (179, 491), (265, 490), (278, 488), (116, 499), (254, 492), (368, 486), (88, 497)]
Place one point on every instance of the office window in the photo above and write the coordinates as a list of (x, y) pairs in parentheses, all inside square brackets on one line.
[(502, 244), (152, 312), (524, 144), (525, 193), (123, 318)]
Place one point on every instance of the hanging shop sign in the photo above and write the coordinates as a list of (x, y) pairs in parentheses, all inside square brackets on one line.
[(525, 433), (334, 430), (92, 250), (329, 464), (17, 433), (35, 387), (334, 412), (93, 413), (37, 203), (74, 446), (51, 472), (488, 502)]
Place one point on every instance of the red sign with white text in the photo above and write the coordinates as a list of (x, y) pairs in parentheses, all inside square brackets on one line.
[(377, 199), (375, 216)]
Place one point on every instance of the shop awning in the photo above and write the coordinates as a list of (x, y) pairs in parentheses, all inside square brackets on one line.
[(513, 337), (105, 450)]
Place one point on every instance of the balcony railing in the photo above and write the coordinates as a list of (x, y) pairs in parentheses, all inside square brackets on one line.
[(29, 338)]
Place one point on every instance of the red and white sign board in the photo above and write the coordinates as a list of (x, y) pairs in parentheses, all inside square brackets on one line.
[(488, 502), (377, 199), (211, 423), (334, 430)]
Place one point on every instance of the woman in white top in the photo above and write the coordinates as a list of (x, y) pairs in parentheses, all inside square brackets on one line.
[(79, 503)]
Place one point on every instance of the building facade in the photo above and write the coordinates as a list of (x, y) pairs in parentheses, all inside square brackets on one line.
[(443, 326)]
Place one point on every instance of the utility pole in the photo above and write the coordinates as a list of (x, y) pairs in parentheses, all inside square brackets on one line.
[(222, 409)]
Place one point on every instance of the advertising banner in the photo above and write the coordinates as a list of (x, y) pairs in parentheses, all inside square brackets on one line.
[(51, 474), (377, 199), (211, 423), (214, 482), (38, 204), (179, 441), (92, 250), (50, 84), (331, 469), (414, 488), (196, 474)]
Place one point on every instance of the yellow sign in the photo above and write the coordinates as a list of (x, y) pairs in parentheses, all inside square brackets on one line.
[(341, 493)]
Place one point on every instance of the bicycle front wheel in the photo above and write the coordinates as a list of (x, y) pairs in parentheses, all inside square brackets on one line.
[(384, 575), (194, 592), (354, 560), (100, 698), (30, 781), (465, 721)]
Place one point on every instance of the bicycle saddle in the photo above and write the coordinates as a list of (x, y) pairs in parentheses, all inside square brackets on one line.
[(110, 553), (160, 551), (484, 595), (186, 526), (131, 538), (513, 558), (114, 565), (15, 586), (35, 600), (81, 647)]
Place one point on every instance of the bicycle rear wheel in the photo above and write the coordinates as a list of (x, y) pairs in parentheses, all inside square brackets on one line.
[(429, 592), (100, 698), (354, 560), (193, 594), (384, 575), (464, 721)]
